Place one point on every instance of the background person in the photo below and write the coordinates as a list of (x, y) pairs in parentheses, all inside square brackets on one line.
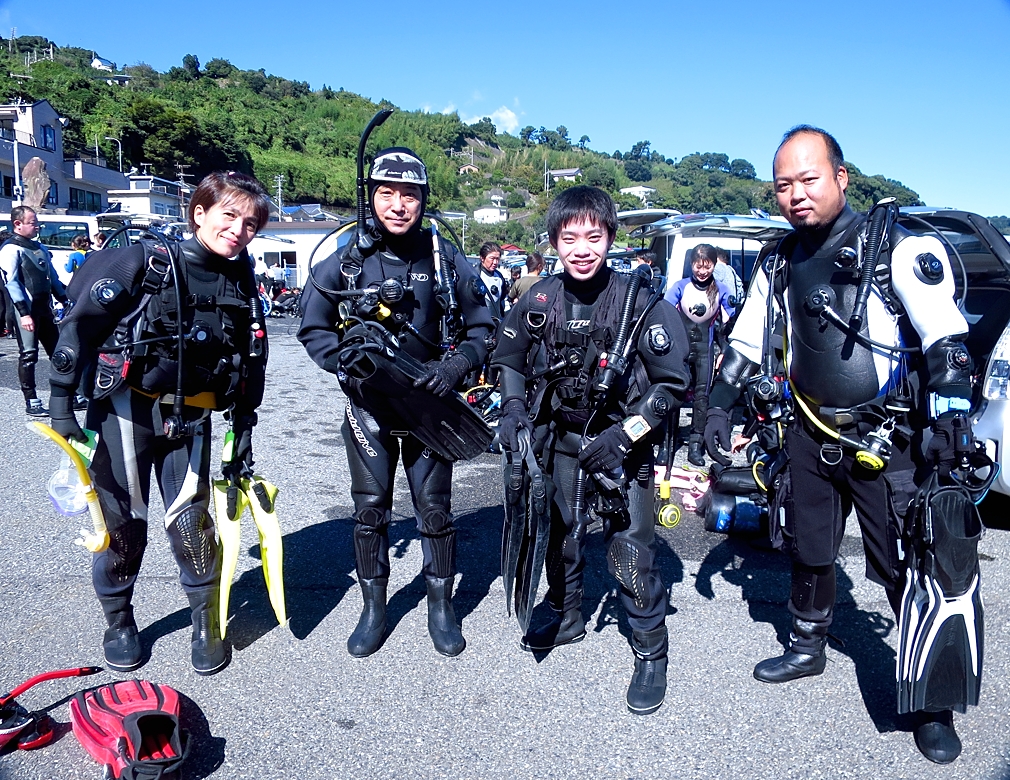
[(133, 407), (534, 268), (490, 257), (82, 248)]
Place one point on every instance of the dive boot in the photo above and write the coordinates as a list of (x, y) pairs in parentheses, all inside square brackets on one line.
[(695, 453), (123, 652), (442, 625), (936, 738), (806, 656), (367, 635), (562, 629), (210, 653), (648, 683)]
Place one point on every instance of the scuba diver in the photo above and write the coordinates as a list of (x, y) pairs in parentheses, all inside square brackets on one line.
[(874, 356), (588, 368), (702, 302), (169, 334), (494, 281), (398, 299), (31, 282)]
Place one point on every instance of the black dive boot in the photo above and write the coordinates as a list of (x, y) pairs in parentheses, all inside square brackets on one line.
[(695, 453), (123, 652), (562, 629), (367, 635), (442, 625), (805, 657), (935, 736), (648, 684), (210, 653)]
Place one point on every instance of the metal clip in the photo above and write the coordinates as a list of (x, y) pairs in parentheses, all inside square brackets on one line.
[(831, 454)]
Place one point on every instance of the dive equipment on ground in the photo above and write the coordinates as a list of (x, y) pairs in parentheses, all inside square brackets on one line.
[(32, 730), (447, 425), (98, 540), (736, 500), (941, 622), (527, 529), (131, 728)]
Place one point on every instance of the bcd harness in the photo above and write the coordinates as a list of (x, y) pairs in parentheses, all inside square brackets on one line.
[(181, 342)]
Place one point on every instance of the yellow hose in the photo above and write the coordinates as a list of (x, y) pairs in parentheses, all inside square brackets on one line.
[(99, 540)]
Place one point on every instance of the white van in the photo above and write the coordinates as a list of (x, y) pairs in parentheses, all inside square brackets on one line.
[(56, 231)]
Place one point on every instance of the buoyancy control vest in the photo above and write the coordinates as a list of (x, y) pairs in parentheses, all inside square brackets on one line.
[(33, 269), (217, 304)]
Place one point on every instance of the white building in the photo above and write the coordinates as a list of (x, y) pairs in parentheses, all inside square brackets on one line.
[(292, 245), (567, 174), (79, 184), (641, 192), (148, 194), (490, 215)]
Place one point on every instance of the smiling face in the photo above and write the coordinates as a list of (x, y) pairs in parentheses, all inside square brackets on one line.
[(809, 191), (582, 248), (397, 206), (701, 268), (227, 227)]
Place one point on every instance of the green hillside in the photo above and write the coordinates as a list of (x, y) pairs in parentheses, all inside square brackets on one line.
[(213, 115)]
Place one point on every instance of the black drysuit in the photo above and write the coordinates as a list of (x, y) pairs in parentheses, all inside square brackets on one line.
[(218, 371), (369, 425), (583, 317)]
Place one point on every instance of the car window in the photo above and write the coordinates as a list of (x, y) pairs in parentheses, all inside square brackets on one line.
[(58, 235)]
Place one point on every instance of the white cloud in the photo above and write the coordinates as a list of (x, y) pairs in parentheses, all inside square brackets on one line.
[(504, 118), (449, 108)]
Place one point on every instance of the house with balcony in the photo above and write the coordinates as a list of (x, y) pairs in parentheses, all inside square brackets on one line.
[(79, 183), (149, 194)]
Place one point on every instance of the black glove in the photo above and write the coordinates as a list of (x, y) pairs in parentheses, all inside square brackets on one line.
[(952, 438), (717, 435), (514, 418), (61, 413), (241, 463), (606, 453), (441, 376)]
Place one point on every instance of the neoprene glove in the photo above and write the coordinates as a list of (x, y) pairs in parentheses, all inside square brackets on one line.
[(241, 463), (514, 418), (942, 448), (61, 414), (441, 376), (717, 435), (606, 453)]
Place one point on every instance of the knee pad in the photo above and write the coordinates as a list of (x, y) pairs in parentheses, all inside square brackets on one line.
[(436, 521), (126, 549), (630, 562), (197, 545), (372, 517)]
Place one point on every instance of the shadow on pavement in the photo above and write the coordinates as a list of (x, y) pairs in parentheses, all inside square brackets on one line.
[(206, 752), (763, 577)]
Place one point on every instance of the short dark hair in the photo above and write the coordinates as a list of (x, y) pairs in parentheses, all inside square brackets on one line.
[(835, 156), (79, 242), (534, 262), (579, 203), (100, 237), (648, 257), (488, 247), (216, 187), (721, 255), (18, 213), (703, 252)]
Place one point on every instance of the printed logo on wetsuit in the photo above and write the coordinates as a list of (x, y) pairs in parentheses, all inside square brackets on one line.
[(359, 435), (542, 297), (576, 324), (509, 332), (418, 277)]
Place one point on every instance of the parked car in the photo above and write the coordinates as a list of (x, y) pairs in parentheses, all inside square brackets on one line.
[(980, 258)]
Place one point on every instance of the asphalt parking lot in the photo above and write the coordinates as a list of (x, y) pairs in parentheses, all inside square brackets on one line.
[(294, 704)]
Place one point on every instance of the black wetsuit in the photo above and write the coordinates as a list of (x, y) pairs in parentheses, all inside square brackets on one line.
[(369, 426), (839, 381), (217, 372), (583, 316)]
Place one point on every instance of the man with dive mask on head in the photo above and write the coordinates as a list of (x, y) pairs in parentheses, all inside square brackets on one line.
[(388, 282)]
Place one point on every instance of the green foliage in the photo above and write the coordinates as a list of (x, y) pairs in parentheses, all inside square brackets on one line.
[(1002, 224), (865, 190)]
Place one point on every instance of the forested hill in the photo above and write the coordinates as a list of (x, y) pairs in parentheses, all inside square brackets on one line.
[(213, 115)]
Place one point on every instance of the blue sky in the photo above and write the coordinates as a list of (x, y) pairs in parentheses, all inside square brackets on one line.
[(914, 91)]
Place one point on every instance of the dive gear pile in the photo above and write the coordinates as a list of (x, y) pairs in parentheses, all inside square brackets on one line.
[(32, 729)]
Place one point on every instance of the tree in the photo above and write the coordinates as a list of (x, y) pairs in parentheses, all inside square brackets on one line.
[(638, 170), (583, 141), (618, 155), (515, 200), (639, 151), (484, 130), (191, 65), (218, 68), (742, 169), (526, 135)]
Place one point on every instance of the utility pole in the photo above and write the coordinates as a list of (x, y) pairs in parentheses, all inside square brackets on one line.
[(182, 185), (279, 179)]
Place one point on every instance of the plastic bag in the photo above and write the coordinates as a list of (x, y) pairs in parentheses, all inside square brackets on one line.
[(66, 490)]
